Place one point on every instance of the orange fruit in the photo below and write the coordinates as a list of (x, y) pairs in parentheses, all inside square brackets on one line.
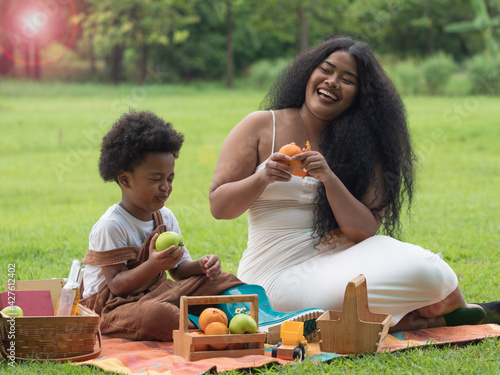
[(199, 347), (236, 346), (210, 315), (292, 149), (217, 328)]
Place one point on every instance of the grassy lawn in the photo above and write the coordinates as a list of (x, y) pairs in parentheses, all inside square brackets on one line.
[(51, 193)]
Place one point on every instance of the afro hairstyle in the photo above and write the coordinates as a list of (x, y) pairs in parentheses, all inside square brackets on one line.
[(132, 138)]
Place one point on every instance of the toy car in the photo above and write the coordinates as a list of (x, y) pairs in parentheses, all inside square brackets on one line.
[(293, 344)]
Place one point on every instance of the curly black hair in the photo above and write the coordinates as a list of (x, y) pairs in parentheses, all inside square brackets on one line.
[(373, 130), (131, 138)]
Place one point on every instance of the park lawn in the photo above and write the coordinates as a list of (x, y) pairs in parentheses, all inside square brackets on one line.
[(51, 193)]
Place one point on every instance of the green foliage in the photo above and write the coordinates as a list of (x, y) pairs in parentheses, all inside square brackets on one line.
[(407, 77), (263, 73), (484, 74), (188, 38), (437, 71)]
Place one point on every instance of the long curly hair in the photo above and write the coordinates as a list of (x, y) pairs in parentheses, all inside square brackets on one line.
[(373, 130), (132, 137)]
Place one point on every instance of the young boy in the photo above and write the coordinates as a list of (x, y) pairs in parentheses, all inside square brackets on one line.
[(125, 280)]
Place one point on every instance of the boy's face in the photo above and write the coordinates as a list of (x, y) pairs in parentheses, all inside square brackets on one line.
[(148, 187)]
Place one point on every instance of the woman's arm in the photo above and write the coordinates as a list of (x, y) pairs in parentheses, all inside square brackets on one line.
[(235, 186), (358, 219)]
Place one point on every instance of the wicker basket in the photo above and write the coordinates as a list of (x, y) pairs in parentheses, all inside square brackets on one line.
[(51, 337)]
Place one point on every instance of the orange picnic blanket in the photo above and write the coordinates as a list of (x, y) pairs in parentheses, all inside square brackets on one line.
[(155, 357)]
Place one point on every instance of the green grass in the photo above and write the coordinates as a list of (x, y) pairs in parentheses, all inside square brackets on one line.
[(51, 193)]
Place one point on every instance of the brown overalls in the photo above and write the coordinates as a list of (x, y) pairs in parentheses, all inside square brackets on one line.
[(152, 311)]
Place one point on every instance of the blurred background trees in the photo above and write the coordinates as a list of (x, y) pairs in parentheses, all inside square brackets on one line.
[(225, 40)]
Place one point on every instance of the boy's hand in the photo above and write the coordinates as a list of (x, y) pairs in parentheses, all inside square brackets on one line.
[(164, 260), (211, 266)]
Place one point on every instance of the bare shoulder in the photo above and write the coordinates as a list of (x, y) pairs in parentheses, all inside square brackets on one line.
[(255, 121), (247, 144)]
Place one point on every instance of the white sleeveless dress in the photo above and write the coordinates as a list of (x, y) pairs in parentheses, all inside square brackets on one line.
[(281, 257)]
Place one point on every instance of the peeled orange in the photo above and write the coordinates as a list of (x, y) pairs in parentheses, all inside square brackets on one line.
[(292, 149), (217, 328), (210, 315)]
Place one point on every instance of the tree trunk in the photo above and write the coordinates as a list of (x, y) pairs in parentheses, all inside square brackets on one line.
[(26, 53), (229, 45), (116, 63), (6, 63), (142, 62), (93, 69), (430, 38), (36, 56), (303, 30)]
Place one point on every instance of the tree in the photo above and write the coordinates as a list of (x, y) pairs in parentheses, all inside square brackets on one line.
[(483, 23), (229, 44), (299, 22), (121, 24)]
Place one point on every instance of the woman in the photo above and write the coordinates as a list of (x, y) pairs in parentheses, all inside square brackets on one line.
[(309, 237)]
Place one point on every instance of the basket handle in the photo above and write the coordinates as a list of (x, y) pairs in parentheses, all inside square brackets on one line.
[(355, 299), (79, 358)]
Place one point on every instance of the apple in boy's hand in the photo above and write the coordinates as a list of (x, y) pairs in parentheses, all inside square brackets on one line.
[(242, 323), (167, 239), (13, 311)]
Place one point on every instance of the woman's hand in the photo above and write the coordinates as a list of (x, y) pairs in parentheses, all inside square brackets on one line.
[(315, 165), (164, 260), (274, 170), (211, 266)]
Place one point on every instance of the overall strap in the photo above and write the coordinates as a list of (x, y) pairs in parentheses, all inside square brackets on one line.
[(109, 257), (158, 218)]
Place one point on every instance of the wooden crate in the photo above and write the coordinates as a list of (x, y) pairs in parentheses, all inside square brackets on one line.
[(187, 343), (355, 329)]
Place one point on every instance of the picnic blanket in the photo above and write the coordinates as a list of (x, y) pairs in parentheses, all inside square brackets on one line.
[(155, 357)]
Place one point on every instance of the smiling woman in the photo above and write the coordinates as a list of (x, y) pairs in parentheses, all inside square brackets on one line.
[(332, 87), (308, 238)]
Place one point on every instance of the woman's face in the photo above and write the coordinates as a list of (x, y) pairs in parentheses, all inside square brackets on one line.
[(332, 86)]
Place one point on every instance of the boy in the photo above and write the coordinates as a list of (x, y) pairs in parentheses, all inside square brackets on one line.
[(124, 280)]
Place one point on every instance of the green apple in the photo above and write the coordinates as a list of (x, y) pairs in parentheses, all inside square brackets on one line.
[(242, 323), (13, 311), (167, 239)]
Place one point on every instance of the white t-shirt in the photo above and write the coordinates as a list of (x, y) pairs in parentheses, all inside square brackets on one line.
[(117, 228)]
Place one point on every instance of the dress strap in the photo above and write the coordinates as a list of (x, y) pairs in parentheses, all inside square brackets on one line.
[(274, 130)]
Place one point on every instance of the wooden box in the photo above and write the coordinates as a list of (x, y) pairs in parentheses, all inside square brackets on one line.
[(355, 329), (187, 343)]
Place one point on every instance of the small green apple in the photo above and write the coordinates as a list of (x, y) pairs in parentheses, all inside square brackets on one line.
[(242, 323), (13, 311), (167, 239)]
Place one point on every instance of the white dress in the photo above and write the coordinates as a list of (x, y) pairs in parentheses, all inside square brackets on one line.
[(281, 257)]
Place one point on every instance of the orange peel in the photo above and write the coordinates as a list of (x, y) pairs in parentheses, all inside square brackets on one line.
[(292, 149)]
